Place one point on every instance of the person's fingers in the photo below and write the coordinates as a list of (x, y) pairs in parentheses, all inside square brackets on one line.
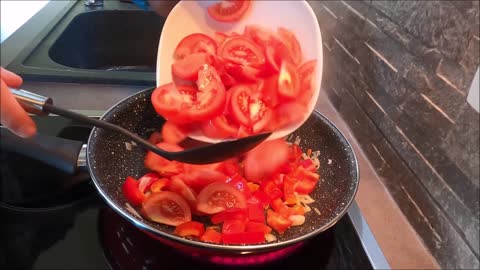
[(10, 78), (13, 116)]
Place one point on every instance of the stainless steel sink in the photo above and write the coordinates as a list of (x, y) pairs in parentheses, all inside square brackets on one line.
[(114, 45)]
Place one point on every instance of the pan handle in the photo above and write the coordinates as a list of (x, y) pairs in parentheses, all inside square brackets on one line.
[(57, 152)]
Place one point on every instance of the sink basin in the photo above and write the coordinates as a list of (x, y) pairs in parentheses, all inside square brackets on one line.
[(115, 44), (110, 40)]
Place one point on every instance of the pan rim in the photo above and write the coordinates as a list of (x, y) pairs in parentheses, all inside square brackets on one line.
[(243, 249)]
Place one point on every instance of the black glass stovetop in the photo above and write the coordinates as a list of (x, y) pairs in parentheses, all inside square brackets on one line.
[(51, 220)]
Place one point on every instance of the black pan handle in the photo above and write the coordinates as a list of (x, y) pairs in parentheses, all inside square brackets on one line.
[(59, 153)]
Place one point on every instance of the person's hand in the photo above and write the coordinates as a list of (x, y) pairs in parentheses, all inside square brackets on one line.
[(162, 7), (12, 115)]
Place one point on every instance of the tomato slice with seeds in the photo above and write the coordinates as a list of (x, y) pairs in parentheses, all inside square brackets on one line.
[(160, 185), (288, 81), (187, 68), (146, 181), (306, 72), (166, 207), (198, 179), (291, 42), (288, 113), (241, 51), (216, 197), (195, 43), (178, 186), (248, 109), (228, 11)]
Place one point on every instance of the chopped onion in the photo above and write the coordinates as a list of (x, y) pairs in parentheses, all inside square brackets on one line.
[(128, 146), (316, 163), (297, 220), (270, 237), (315, 154), (304, 156), (132, 210), (317, 211), (329, 161), (306, 199), (133, 143), (306, 208), (297, 140)]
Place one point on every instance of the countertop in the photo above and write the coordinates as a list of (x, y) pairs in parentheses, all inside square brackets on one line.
[(397, 239)]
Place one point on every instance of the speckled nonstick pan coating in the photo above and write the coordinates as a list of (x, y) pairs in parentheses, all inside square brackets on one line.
[(110, 163)]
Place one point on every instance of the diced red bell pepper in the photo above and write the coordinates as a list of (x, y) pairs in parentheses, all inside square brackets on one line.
[(131, 192), (243, 238), (308, 165), (160, 184), (233, 226), (272, 191), (252, 226), (256, 212), (278, 222), (306, 180), (229, 214), (241, 184), (190, 228), (252, 186), (259, 197), (211, 235), (289, 184), (296, 153)]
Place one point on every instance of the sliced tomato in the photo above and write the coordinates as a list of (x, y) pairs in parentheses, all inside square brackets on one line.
[(243, 132), (217, 197), (291, 42), (307, 69), (273, 192), (166, 207), (212, 236), (190, 228), (198, 179), (241, 51), (219, 127), (261, 35), (178, 186), (270, 91), (260, 163), (161, 165), (233, 226), (249, 109), (256, 212), (172, 134), (146, 181), (240, 184), (174, 102), (230, 214), (155, 137), (243, 238), (195, 43), (306, 73), (230, 167), (228, 11), (131, 191), (288, 81), (242, 73), (289, 185), (211, 95), (278, 222), (288, 113), (259, 197), (187, 68), (253, 226), (160, 185)]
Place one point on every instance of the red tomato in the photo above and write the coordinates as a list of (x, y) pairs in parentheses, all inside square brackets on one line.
[(241, 51), (230, 167), (256, 212), (249, 110), (288, 81), (270, 91), (167, 208), (233, 226), (172, 134), (146, 181), (265, 159), (168, 99), (307, 69), (131, 192), (160, 184), (155, 137), (288, 113), (228, 11), (242, 73), (259, 197), (198, 179), (190, 228), (212, 236), (291, 42), (217, 197), (261, 35), (211, 95), (278, 222), (219, 127), (252, 226), (187, 68), (229, 214), (243, 238), (240, 184), (178, 186), (161, 165), (306, 72), (195, 43), (289, 190)]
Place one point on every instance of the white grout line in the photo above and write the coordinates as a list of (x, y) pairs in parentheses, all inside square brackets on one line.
[(345, 49), (376, 103), (447, 81), (428, 164), (378, 152), (438, 238), (476, 37), (353, 10), (372, 24), (326, 46), (381, 57), (335, 90), (438, 108), (329, 11)]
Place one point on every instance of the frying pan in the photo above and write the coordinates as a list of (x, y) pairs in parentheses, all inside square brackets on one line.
[(109, 162)]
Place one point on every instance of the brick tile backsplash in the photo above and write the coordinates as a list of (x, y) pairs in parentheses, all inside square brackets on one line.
[(398, 72)]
